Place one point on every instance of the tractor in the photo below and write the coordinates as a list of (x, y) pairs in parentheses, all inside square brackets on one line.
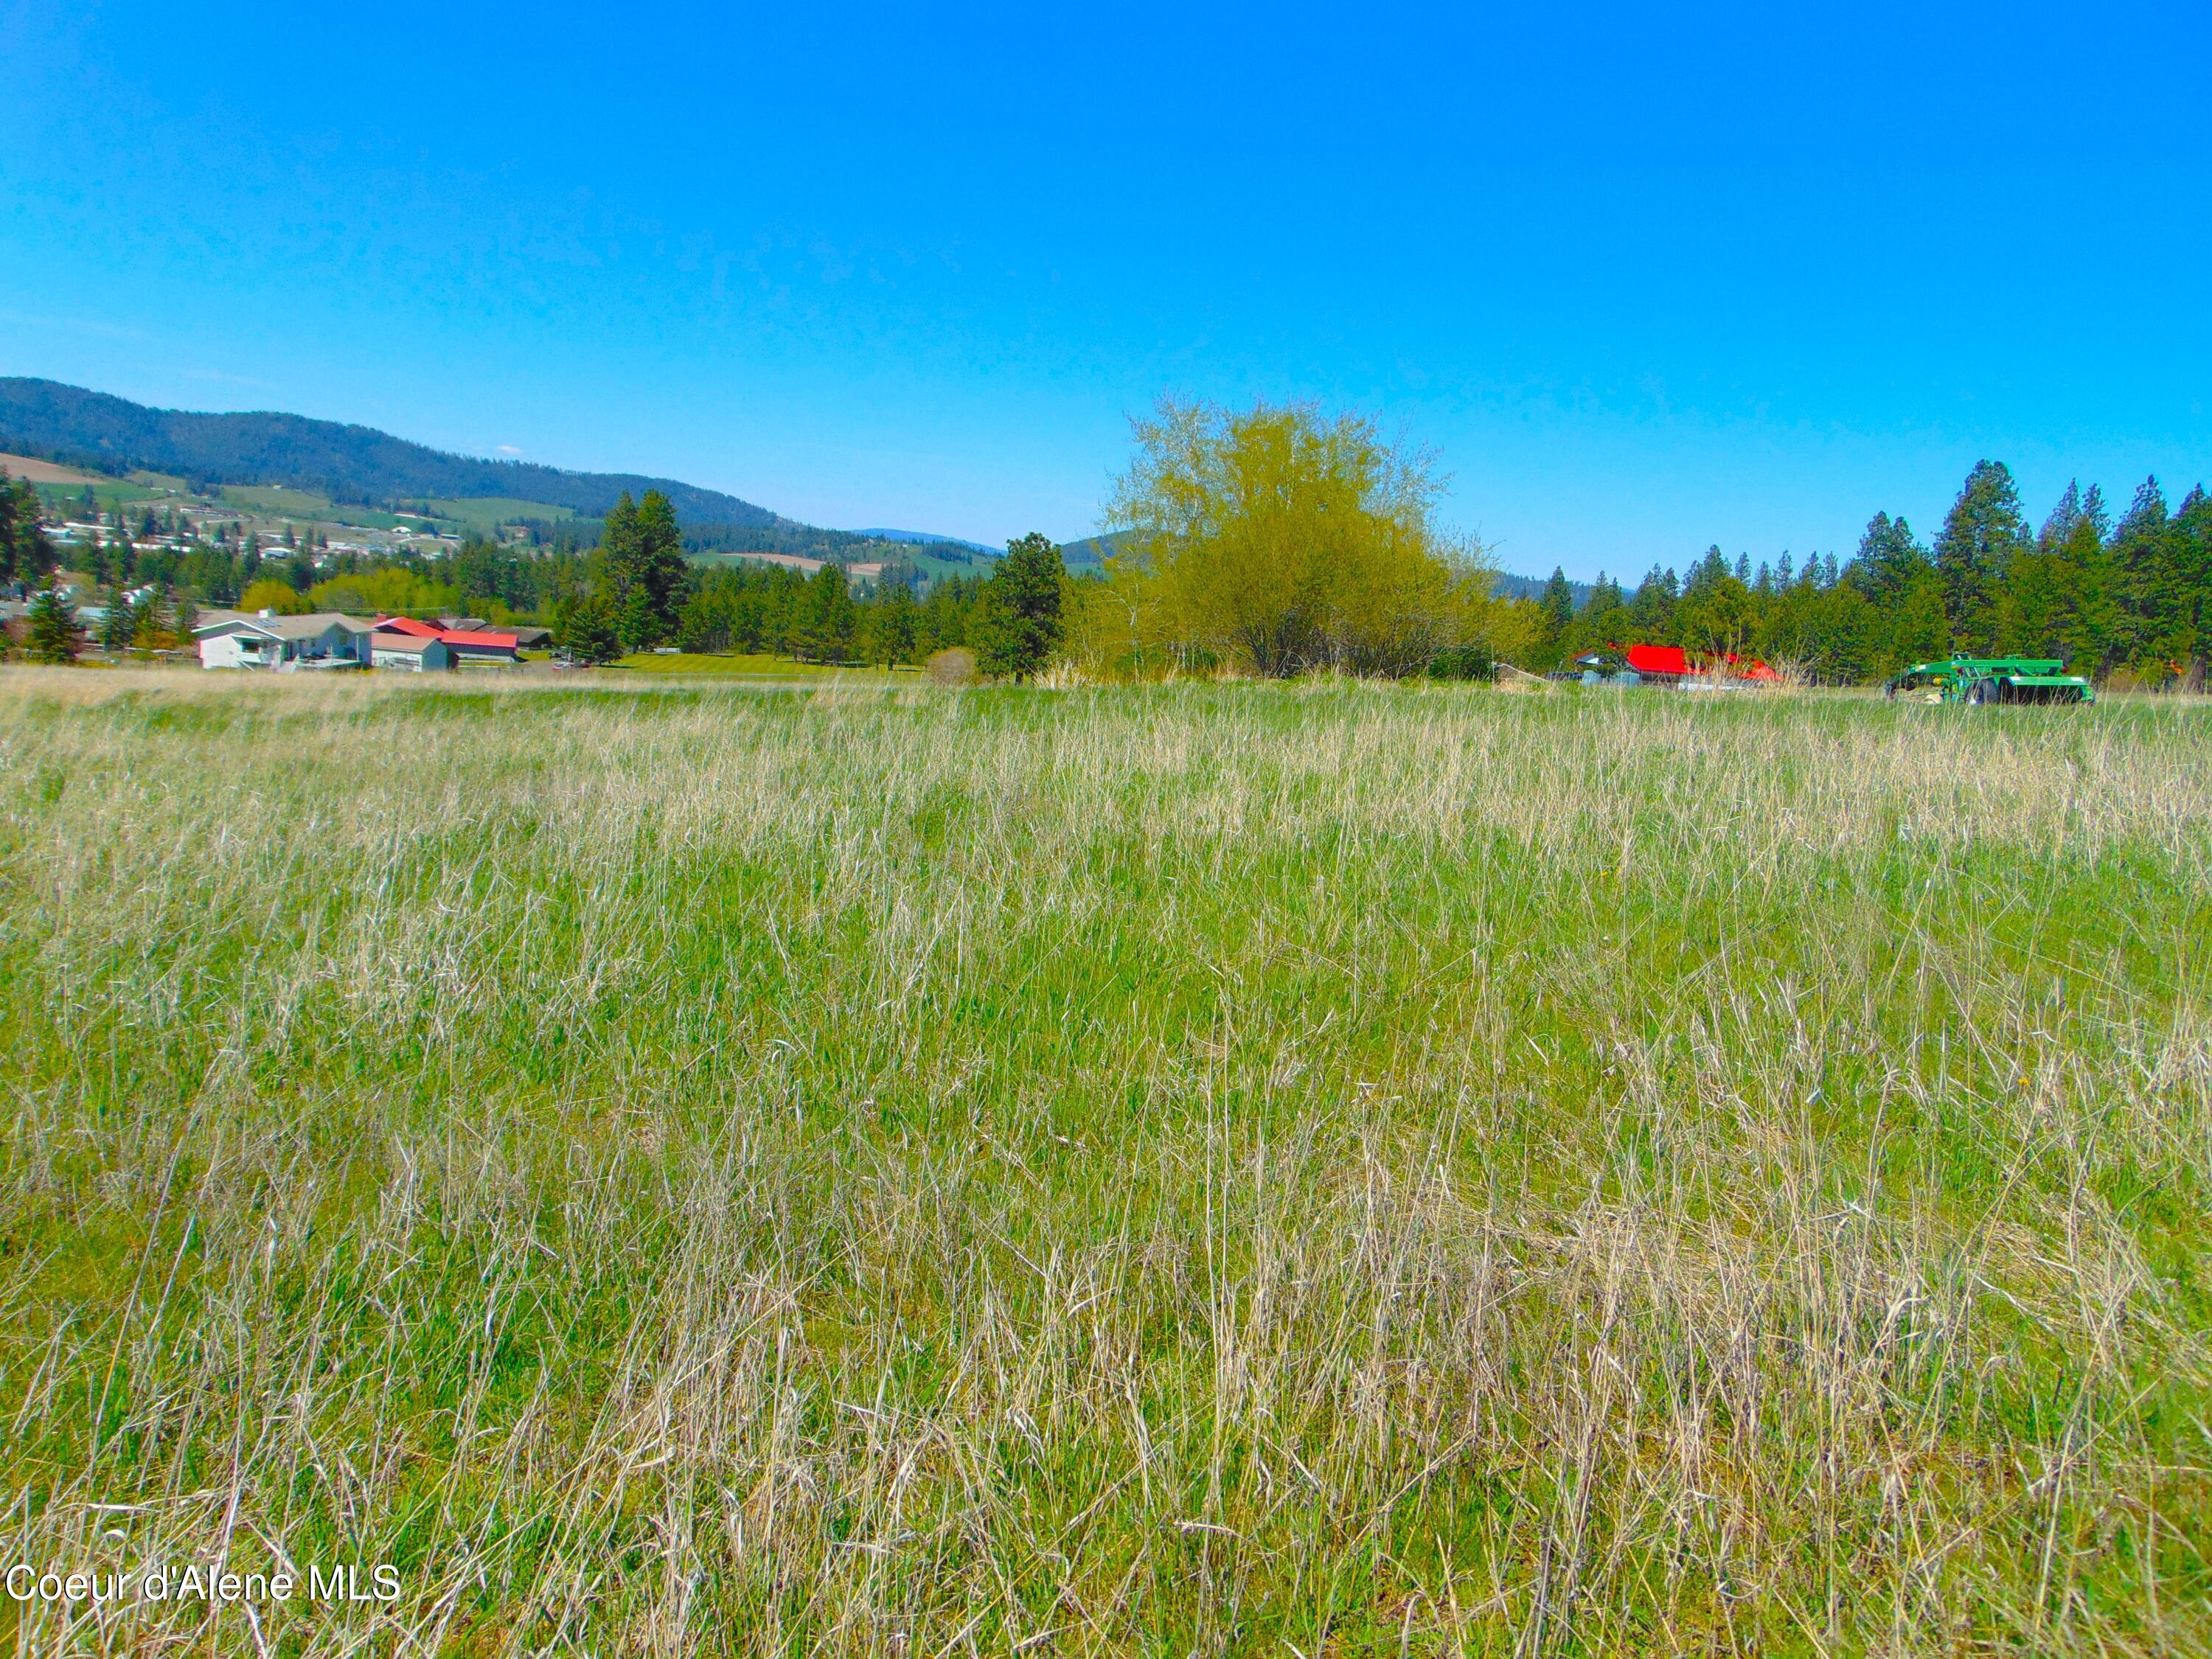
[(1979, 680)]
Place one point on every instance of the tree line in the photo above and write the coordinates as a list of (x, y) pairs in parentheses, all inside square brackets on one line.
[(1275, 541), (2126, 600)]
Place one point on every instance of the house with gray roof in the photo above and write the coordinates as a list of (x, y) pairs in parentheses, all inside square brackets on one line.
[(321, 639)]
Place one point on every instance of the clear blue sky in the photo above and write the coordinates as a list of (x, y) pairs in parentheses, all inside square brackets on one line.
[(1647, 278)]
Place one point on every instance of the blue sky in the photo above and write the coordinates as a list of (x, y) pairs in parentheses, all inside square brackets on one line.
[(1646, 279)]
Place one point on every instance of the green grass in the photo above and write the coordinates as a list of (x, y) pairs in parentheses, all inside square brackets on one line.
[(1158, 1170), (281, 501), (753, 665), (64, 499), (487, 513)]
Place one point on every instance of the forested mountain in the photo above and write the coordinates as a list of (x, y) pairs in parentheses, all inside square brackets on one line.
[(354, 463)]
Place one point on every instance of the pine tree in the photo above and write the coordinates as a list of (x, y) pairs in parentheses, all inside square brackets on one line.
[(892, 630), (119, 626), (587, 630), (1651, 612), (2191, 544), (1974, 552), (823, 631), (2063, 517), (1889, 560), (641, 552), (1020, 622), (1599, 623), (53, 627), (636, 624), (8, 554), (2147, 591)]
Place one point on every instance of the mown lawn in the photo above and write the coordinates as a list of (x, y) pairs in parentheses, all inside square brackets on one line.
[(1220, 1169)]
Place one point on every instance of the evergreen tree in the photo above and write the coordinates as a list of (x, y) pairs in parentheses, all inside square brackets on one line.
[(119, 626), (1889, 561), (2191, 549), (53, 627), (1974, 552), (587, 630), (8, 529), (1651, 612), (636, 623), (641, 551), (150, 618), (1020, 622), (825, 632), (2063, 517), (1715, 615), (1601, 620), (2148, 593), (893, 626), (1559, 602)]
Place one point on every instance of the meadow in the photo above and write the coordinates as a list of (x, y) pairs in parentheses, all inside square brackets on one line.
[(1316, 1169)]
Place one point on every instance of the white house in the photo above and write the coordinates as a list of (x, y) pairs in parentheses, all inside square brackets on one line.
[(409, 653), (323, 639)]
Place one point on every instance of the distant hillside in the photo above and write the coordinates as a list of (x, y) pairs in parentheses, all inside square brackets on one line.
[(1531, 587), (1093, 550), (357, 463), (922, 539)]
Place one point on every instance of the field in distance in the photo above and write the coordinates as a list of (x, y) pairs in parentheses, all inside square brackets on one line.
[(1233, 1170), (43, 472)]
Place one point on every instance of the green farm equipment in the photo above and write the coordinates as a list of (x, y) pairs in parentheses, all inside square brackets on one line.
[(1979, 680)]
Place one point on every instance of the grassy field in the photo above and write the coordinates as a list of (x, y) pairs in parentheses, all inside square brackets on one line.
[(1187, 1170), (279, 501), (749, 666), (485, 513)]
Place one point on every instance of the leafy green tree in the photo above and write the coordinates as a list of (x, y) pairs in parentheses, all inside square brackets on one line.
[(1715, 616), (1019, 622), (1981, 534), (1290, 541), (281, 598), (53, 630)]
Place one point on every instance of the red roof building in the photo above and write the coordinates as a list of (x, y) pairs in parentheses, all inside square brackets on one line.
[(460, 642), (469, 639)]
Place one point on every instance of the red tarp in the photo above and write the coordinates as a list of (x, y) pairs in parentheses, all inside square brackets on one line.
[(1658, 660), (1673, 659)]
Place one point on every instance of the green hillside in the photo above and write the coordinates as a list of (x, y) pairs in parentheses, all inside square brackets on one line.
[(67, 423)]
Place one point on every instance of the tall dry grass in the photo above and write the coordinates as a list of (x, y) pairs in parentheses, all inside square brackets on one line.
[(1128, 1171)]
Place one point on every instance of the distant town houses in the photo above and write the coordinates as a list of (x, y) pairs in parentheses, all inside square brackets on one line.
[(328, 640)]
